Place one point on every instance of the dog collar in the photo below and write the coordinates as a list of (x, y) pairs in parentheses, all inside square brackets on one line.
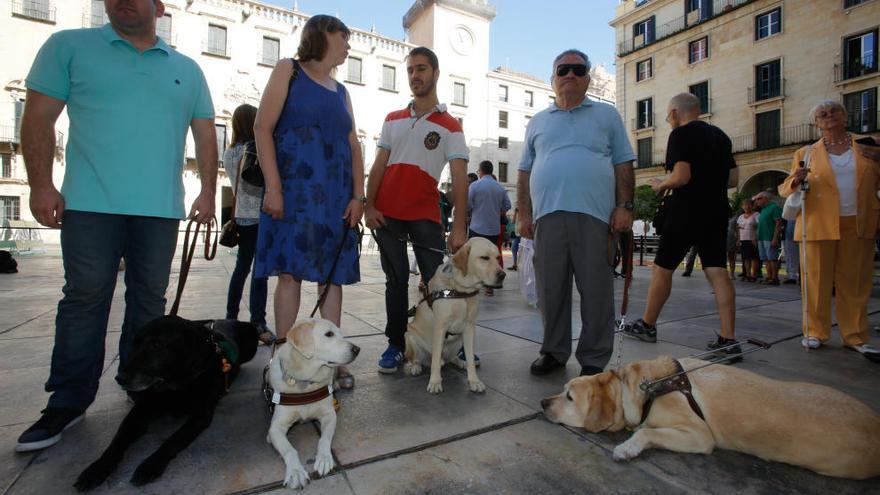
[(430, 297), (289, 399)]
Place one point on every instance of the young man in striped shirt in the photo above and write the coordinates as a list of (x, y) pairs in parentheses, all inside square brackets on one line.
[(403, 201)]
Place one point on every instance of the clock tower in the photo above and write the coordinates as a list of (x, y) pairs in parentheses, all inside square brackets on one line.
[(458, 32)]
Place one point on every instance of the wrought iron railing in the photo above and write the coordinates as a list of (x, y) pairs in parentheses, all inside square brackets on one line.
[(774, 138), (40, 10), (643, 123), (675, 26), (845, 71), (772, 89)]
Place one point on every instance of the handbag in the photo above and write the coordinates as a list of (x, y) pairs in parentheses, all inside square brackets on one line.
[(662, 212), (250, 169), (229, 233), (794, 203)]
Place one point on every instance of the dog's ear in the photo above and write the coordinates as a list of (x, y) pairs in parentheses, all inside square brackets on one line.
[(600, 410), (303, 339), (632, 398), (460, 260)]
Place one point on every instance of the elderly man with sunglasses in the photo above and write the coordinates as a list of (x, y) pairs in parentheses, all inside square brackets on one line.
[(575, 188)]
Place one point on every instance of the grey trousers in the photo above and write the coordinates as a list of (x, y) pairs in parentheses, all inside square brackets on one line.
[(575, 244)]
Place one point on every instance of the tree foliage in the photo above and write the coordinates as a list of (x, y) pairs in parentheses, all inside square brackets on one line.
[(646, 203)]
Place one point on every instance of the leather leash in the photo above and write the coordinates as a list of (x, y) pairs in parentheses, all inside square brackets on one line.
[(189, 249)]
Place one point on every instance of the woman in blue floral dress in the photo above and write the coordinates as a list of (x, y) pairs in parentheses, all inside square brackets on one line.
[(311, 159)]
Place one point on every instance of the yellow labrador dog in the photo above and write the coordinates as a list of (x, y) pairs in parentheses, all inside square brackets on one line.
[(306, 363), (440, 329), (804, 424)]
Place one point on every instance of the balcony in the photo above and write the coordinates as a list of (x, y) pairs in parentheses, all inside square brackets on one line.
[(671, 28), (641, 122), (786, 136), (216, 50), (843, 72), (774, 88), (12, 134), (37, 10)]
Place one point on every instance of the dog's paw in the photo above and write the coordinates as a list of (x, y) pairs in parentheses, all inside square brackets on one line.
[(476, 386), (93, 475), (626, 451), (435, 387), (415, 369), (296, 477), (324, 463), (149, 470)]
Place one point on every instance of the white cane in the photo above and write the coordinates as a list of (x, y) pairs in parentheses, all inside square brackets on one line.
[(805, 188)]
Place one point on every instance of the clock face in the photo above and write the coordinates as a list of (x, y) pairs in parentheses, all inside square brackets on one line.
[(462, 40)]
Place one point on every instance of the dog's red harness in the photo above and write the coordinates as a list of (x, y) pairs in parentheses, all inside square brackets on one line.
[(678, 382), (290, 399)]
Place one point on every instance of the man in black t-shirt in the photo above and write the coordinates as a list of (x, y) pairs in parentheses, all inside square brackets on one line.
[(701, 166)]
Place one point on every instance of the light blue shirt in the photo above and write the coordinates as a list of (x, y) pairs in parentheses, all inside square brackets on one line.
[(487, 200), (570, 155), (129, 115)]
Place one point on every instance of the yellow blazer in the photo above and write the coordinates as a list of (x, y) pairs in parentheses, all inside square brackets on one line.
[(823, 203)]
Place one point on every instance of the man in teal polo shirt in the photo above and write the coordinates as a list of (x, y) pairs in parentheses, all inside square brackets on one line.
[(769, 235), (575, 184), (130, 99)]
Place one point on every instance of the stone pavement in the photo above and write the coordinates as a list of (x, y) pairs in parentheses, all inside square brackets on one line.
[(393, 437)]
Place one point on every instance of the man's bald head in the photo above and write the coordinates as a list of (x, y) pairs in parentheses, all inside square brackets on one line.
[(685, 103)]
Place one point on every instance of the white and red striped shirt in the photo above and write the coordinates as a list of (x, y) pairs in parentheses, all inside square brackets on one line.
[(419, 150)]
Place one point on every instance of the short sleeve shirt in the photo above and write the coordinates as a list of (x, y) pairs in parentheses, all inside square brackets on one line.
[(767, 221), (570, 155), (709, 152), (129, 114), (419, 149)]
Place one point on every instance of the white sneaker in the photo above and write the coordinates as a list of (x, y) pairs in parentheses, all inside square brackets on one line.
[(811, 343), (866, 350)]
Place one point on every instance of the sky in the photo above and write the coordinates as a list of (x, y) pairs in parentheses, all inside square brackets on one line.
[(525, 36)]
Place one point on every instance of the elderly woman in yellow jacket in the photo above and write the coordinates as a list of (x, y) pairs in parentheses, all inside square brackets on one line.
[(842, 221)]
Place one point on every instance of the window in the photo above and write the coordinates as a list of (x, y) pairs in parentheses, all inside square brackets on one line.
[(553, 100), (701, 91), (768, 80), (19, 112), (502, 119), (355, 70), (389, 78), (852, 3), (643, 32), (502, 93), (768, 24), (698, 50), (697, 11), (645, 117), (221, 140), (861, 109), (860, 54), (458, 93), (644, 70), (163, 29), (530, 99), (767, 129), (216, 44), (645, 152), (41, 10), (10, 209), (502, 171), (271, 50), (97, 17), (5, 166), (502, 143)]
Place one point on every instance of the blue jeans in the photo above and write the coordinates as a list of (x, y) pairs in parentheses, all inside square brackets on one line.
[(515, 249), (395, 264), (92, 245), (247, 244)]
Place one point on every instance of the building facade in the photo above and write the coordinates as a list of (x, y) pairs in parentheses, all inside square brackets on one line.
[(758, 67), (238, 42)]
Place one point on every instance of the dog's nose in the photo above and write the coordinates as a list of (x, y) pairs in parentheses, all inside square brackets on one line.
[(355, 349), (545, 403), (501, 276), (121, 379)]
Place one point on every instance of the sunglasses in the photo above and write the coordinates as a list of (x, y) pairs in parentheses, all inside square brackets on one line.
[(580, 70)]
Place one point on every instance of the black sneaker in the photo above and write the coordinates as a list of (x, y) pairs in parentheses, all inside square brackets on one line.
[(641, 330), (733, 350), (48, 429)]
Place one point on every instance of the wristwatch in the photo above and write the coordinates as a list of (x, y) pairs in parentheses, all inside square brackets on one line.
[(627, 205), (362, 199)]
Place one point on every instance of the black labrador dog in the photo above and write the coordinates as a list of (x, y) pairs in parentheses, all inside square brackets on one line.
[(177, 366)]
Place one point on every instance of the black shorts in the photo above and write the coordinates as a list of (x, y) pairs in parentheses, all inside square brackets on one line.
[(749, 250), (679, 234)]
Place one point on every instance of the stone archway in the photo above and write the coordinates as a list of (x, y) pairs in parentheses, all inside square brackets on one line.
[(762, 181)]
